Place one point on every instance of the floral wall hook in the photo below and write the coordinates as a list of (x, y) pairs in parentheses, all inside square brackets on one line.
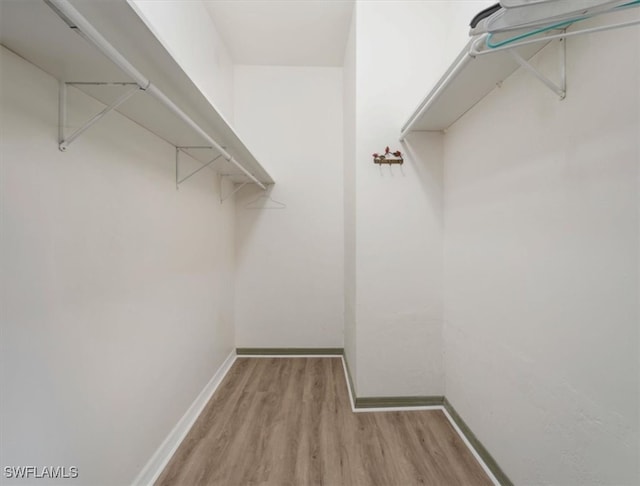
[(388, 157)]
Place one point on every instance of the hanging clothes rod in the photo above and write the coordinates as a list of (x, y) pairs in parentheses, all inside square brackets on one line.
[(77, 22)]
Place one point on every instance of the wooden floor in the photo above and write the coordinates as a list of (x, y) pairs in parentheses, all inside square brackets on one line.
[(288, 421)]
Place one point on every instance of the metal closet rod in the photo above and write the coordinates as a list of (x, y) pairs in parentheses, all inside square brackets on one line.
[(76, 21)]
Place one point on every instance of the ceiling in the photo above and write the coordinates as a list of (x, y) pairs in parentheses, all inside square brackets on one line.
[(284, 32)]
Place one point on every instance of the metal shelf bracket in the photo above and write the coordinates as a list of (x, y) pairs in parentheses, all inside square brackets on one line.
[(223, 198), (191, 174), (559, 89), (63, 140)]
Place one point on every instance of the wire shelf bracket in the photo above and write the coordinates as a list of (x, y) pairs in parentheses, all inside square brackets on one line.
[(192, 173), (223, 198), (63, 140), (559, 89)]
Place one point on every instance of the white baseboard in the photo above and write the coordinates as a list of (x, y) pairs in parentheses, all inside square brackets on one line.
[(152, 470), (346, 379), (473, 451)]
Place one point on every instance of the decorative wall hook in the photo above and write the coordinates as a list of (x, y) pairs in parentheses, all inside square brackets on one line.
[(388, 157)]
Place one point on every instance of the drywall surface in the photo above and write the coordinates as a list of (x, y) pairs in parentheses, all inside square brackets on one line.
[(541, 267), (399, 209), (116, 289), (289, 261), (458, 16), (188, 33), (283, 32), (349, 138)]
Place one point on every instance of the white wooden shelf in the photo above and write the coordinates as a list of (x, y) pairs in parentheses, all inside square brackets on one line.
[(478, 69), (465, 83), (35, 32)]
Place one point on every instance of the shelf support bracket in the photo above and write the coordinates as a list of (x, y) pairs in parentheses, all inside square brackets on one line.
[(223, 198), (204, 164), (561, 89), (65, 141)]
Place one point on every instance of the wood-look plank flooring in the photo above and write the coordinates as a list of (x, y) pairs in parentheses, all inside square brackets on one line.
[(288, 421)]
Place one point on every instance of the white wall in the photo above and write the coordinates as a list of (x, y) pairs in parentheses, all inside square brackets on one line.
[(289, 271), (188, 33), (541, 217), (458, 15), (116, 289), (399, 210), (349, 143)]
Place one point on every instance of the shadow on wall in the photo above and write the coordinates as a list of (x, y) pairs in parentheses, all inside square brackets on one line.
[(256, 205), (425, 154)]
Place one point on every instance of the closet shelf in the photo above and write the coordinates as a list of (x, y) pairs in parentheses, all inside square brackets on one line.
[(465, 83), (174, 108), (478, 69)]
